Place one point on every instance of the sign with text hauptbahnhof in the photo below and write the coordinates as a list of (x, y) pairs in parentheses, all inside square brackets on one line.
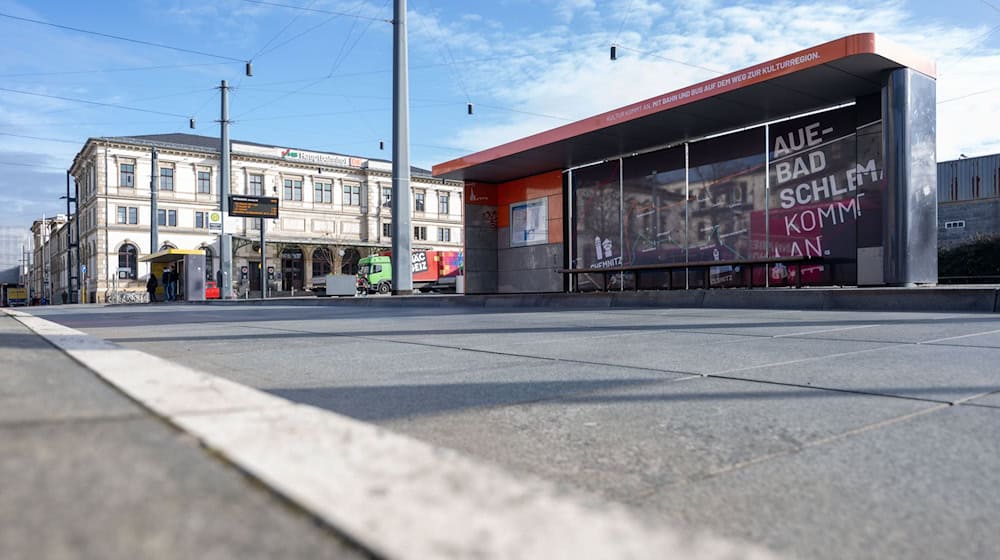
[(243, 206)]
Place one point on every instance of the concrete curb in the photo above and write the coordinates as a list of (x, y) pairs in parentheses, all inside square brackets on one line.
[(959, 299)]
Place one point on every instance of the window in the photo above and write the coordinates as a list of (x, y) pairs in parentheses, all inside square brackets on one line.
[(166, 217), (387, 230), (128, 261), (443, 203), (444, 234), (324, 193), (420, 232), (126, 176), (204, 181), (958, 224), (201, 220), (166, 178), (293, 189), (352, 194), (386, 197), (122, 215), (133, 215), (322, 262), (255, 185), (418, 202), (209, 263)]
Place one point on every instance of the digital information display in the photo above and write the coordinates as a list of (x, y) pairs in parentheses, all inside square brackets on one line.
[(243, 206)]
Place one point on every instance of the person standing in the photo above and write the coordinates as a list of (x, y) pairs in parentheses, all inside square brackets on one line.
[(167, 276), (151, 287)]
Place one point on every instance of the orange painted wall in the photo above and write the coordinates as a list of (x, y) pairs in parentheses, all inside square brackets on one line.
[(547, 185)]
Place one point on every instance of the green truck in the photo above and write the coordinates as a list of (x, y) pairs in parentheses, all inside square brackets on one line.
[(433, 271)]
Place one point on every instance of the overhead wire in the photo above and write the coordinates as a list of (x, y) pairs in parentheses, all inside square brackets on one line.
[(337, 61), (278, 34), (317, 10), (15, 164), (120, 38), (674, 60), (111, 70), (625, 18), (39, 138), (88, 102)]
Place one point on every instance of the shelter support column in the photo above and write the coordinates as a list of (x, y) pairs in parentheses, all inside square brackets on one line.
[(909, 109), (481, 246)]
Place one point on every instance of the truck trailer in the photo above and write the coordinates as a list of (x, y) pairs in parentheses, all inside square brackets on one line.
[(433, 271)]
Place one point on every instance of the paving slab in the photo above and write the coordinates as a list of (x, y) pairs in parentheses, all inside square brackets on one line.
[(629, 442), (687, 352), (916, 371), (924, 488), (35, 390), (88, 474), (138, 489), (388, 395)]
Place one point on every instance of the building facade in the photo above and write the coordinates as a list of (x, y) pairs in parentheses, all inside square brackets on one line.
[(969, 199), (334, 209), (46, 278)]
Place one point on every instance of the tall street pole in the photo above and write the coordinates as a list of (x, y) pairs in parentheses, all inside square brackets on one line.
[(154, 229), (226, 239), (402, 266)]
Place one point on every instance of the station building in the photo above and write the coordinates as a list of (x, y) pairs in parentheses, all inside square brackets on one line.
[(826, 153), (968, 199), (334, 209)]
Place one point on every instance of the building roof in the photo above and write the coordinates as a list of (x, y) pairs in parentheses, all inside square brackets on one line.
[(821, 76), (211, 144)]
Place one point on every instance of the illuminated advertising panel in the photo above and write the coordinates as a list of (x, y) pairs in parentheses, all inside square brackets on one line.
[(597, 219)]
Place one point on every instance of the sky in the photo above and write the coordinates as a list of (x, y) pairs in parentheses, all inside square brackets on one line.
[(322, 75)]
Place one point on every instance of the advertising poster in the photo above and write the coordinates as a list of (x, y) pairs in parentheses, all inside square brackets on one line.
[(597, 222), (529, 223), (814, 206), (807, 187)]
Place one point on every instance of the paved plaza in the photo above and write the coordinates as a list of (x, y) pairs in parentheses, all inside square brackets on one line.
[(814, 434)]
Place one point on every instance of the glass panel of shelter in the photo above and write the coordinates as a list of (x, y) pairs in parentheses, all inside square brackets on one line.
[(790, 188)]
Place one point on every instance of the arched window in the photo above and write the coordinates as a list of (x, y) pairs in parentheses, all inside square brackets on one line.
[(167, 246), (128, 261), (322, 262)]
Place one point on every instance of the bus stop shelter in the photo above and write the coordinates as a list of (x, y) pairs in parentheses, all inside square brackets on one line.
[(825, 154), (188, 264)]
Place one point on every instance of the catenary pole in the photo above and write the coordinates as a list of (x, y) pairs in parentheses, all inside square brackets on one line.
[(226, 238), (154, 230), (402, 275)]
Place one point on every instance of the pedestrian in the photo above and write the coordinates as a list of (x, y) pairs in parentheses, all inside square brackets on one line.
[(174, 276), (151, 284), (167, 276)]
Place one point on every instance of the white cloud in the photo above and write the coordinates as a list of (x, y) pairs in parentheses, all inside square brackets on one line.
[(579, 80)]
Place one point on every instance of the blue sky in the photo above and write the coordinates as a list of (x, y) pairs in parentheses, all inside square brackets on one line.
[(323, 81)]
